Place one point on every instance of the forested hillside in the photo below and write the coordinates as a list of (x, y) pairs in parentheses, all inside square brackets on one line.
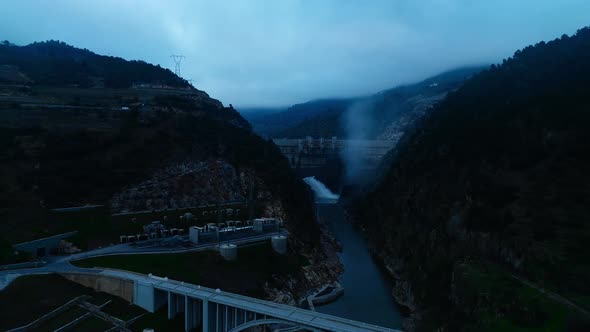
[(386, 113), (56, 63), (67, 145), (312, 113), (495, 183)]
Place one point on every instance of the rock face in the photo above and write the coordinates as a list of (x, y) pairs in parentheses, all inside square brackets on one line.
[(195, 183), (185, 185), (324, 268), (417, 107), (198, 183)]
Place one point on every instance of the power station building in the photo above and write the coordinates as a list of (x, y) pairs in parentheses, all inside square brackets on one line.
[(232, 230), (52, 245)]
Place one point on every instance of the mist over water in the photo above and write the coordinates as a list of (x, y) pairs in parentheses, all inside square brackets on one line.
[(321, 192), (358, 125)]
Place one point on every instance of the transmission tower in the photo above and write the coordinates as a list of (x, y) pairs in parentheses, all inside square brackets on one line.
[(177, 60)]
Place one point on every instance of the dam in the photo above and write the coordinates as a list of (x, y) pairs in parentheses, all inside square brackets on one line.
[(317, 152), (336, 162)]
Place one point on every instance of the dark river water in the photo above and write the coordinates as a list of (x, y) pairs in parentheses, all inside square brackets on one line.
[(367, 291)]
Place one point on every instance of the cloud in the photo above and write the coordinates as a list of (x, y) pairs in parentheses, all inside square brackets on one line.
[(268, 53)]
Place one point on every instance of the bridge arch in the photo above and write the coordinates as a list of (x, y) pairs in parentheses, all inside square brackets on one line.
[(267, 321)]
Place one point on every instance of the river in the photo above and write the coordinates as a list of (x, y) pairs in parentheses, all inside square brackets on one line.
[(367, 291)]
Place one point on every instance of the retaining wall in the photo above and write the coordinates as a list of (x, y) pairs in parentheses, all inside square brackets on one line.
[(108, 284)]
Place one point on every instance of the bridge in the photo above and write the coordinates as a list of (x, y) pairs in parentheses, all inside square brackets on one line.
[(215, 310), (204, 309), (316, 152)]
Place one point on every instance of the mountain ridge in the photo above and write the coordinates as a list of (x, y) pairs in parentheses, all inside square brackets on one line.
[(326, 117), (57, 63), (471, 197)]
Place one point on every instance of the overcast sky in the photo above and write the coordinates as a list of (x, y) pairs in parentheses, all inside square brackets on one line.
[(280, 52)]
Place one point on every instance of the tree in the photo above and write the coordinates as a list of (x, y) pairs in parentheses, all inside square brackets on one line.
[(5, 250)]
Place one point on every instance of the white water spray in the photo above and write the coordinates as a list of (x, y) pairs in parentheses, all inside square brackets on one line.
[(358, 124), (321, 192)]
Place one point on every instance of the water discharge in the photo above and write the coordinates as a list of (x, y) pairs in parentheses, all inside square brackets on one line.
[(321, 192), (358, 124)]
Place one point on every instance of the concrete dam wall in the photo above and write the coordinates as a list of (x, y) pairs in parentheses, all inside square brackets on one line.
[(330, 159)]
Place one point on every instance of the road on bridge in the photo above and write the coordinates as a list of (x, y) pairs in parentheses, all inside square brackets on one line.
[(280, 312)]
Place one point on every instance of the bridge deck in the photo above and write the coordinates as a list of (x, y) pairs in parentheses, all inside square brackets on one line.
[(303, 317), (281, 311)]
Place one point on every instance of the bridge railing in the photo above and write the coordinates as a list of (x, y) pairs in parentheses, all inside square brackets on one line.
[(217, 297), (270, 309)]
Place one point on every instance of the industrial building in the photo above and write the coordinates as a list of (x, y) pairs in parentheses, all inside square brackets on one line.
[(52, 245), (232, 230)]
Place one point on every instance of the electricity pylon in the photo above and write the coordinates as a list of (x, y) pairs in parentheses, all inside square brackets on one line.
[(177, 60)]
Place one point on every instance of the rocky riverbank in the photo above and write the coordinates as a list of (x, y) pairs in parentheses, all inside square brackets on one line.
[(324, 268), (401, 290)]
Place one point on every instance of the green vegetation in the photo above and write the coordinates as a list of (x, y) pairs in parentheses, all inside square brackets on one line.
[(255, 266), (199, 218), (98, 228), (33, 296), (326, 118), (159, 322), (56, 63), (27, 302), (62, 144), (275, 123), (95, 227), (500, 302), (323, 125), (64, 318), (497, 172), (78, 168), (94, 324)]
